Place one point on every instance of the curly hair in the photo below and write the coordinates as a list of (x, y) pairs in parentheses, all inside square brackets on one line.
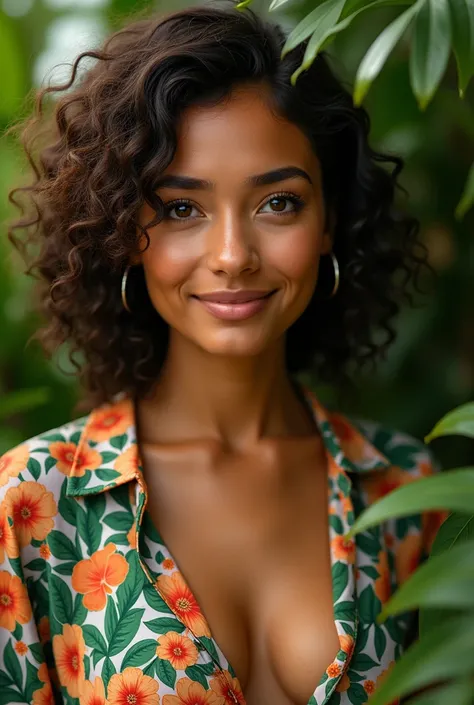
[(109, 137)]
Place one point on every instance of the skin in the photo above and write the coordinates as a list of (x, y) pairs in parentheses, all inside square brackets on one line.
[(226, 443)]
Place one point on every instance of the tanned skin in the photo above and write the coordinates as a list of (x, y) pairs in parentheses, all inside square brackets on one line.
[(235, 466)]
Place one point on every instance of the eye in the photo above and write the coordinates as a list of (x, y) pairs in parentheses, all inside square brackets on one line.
[(279, 201), (182, 209)]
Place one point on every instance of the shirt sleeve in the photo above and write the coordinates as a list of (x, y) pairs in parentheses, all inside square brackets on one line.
[(24, 635)]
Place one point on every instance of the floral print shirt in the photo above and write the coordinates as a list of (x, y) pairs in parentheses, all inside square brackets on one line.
[(95, 611)]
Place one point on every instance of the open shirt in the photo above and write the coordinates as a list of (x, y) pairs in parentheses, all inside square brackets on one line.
[(95, 611)]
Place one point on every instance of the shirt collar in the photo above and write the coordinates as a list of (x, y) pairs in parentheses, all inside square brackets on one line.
[(107, 453)]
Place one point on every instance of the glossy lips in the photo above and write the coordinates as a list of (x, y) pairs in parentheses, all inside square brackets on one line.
[(235, 305)]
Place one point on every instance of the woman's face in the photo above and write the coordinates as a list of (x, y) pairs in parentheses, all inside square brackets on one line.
[(226, 231)]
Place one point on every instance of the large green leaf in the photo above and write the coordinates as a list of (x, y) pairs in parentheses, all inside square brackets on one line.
[(460, 421), (467, 198), (458, 693), (430, 49), (446, 652), (378, 53), (456, 529), (442, 581), (453, 490), (462, 23), (324, 34), (324, 15)]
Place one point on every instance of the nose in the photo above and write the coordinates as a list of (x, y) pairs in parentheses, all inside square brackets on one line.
[(232, 248)]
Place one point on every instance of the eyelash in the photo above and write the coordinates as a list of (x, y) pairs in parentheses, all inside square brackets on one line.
[(297, 202)]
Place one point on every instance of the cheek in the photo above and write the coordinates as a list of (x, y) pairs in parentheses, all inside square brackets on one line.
[(167, 263), (296, 256)]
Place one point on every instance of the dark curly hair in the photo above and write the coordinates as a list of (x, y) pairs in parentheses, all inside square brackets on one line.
[(105, 143)]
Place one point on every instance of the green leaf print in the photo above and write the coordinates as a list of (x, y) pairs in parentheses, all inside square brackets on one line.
[(17, 567), (107, 474), (363, 663), (65, 568), (96, 504), (49, 463), (37, 564), (161, 625), (369, 544), (340, 577), (369, 605), (32, 681), (34, 467), (150, 669), (210, 646), (8, 696), (5, 680), (67, 509), (336, 523), (17, 633), (357, 694), (87, 666), (80, 612), (118, 441), (90, 530), (380, 641), (108, 457), (154, 600), (140, 653), (370, 571), (122, 497), (344, 484), (166, 672), (125, 631), (344, 610), (62, 547), (108, 670), (196, 674), (94, 639), (118, 539), (60, 600), (130, 589), (37, 651), (111, 618), (12, 664), (119, 521)]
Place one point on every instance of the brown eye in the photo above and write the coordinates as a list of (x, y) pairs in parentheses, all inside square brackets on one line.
[(278, 203), (179, 210), (283, 204)]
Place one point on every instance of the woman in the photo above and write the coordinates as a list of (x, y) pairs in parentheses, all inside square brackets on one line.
[(206, 233)]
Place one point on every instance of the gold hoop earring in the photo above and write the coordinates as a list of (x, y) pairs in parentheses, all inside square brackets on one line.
[(124, 287), (336, 275)]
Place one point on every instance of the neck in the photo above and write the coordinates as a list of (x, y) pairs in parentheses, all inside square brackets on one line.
[(234, 400)]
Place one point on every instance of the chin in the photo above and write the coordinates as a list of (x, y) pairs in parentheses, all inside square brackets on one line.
[(236, 344)]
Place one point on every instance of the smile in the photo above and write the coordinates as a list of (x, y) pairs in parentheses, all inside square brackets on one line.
[(235, 306)]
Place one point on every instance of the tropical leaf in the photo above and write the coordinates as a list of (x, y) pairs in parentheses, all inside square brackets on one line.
[(453, 491), (378, 53), (459, 421), (467, 198), (324, 16), (447, 651), (430, 49), (445, 580), (462, 22)]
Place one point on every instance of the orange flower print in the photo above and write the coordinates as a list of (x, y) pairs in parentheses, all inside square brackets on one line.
[(346, 642), (229, 689), (110, 420), (333, 670), (45, 551), (352, 442), (132, 536), (343, 549), (69, 649), (168, 564), (43, 673), (127, 463), (177, 649), (132, 686), (93, 693), (379, 484), (32, 509), (181, 600), (344, 684), (369, 686), (14, 603), (43, 630), (95, 576), (8, 544), (21, 648), (44, 695), (13, 462), (193, 693), (382, 584), (407, 557), (86, 458)]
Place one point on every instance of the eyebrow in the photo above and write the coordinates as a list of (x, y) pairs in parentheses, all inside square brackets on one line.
[(189, 183)]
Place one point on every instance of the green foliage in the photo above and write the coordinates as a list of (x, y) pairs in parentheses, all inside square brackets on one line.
[(441, 587)]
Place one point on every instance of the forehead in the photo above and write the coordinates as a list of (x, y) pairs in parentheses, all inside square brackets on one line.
[(242, 132)]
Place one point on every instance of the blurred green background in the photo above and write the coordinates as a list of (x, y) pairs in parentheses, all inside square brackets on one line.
[(430, 368)]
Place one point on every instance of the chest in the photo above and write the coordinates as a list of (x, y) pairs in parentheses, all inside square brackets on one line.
[(251, 538)]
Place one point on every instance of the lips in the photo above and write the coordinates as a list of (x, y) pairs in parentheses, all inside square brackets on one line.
[(234, 297), (235, 305)]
